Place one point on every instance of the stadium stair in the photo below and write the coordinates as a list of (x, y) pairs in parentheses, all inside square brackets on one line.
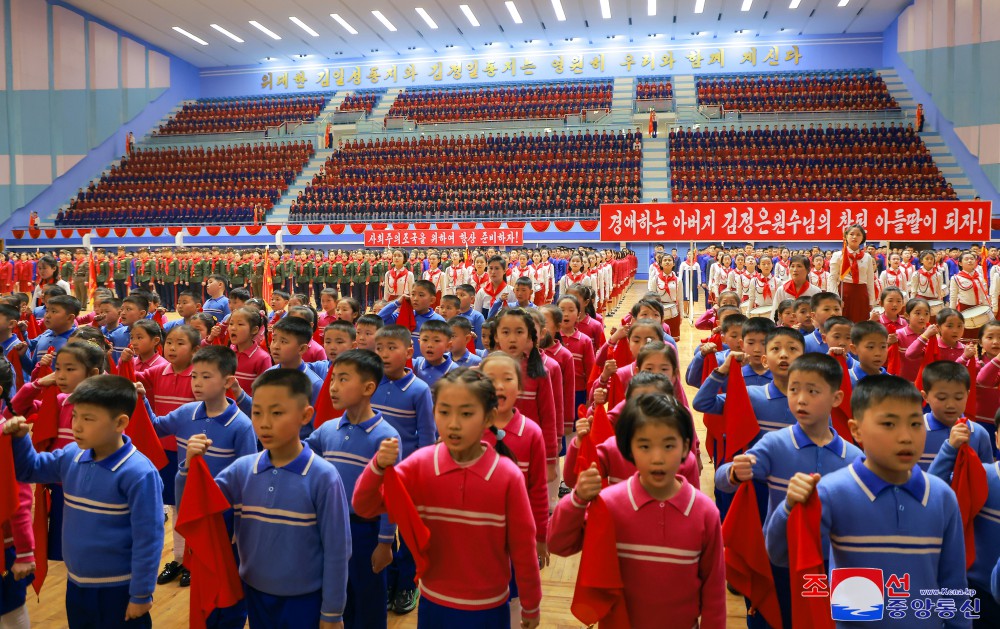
[(655, 169), (622, 97), (685, 99), (383, 106), (279, 213)]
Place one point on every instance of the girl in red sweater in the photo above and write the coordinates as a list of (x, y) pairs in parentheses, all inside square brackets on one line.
[(474, 501)]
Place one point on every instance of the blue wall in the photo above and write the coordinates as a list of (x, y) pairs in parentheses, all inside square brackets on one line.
[(956, 85), (605, 61)]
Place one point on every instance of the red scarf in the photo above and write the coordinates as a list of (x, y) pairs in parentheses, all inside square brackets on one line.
[(480, 280), (928, 276), (766, 285), (842, 413), (666, 280), (895, 276), (403, 512), (805, 556), (575, 278), (892, 363), (599, 594), (849, 264), (394, 277), (971, 489), (975, 282), (748, 568), (790, 289), (493, 292)]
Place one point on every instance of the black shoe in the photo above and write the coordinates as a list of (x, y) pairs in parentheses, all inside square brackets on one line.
[(171, 571), (564, 489), (185, 577), (390, 599), (405, 601)]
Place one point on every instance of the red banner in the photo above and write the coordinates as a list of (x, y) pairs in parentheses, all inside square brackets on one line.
[(805, 221), (445, 238)]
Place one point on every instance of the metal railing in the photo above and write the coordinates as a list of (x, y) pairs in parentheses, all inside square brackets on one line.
[(446, 217), (395, 124), (861, 115), (642, 105)]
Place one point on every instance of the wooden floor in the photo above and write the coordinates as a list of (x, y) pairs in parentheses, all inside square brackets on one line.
[(170, 609)]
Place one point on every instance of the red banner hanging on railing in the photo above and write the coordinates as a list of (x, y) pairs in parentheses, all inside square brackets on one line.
[(445, 238), (805, 221)]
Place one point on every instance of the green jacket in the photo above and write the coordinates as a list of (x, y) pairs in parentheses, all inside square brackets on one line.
[(144, 271), (304, 271), (171, 269), (123, 267), (103, 271)]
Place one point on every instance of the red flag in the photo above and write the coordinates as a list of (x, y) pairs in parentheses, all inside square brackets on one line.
[(972, 403), (748, 569), (268, 285), (45, 423), (737, 415), (599, 594), (158, 318), (140, 430), (92, 280), (805, 555), (840, 414), (40, 528), (406, 317), (324, 405), (892, 361), (971, 489), (215, 580), (931, 353), (600, 431), (714, 426), (616, 391), (33, 329), (9, 502), (400, 507), (623, 354), (15, 362)]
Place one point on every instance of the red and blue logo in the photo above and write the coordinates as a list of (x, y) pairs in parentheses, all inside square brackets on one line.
[(856, 594)]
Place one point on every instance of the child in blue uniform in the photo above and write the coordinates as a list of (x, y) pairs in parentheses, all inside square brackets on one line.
[(291, 522), (349, 442), (946, 391), (884, 511), (113, 519)]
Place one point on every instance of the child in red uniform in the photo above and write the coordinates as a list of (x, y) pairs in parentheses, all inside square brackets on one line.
[(251, 359), (474, 501), (578, 344), (147, 339), (666, 531), (918, 315), (555, 350)]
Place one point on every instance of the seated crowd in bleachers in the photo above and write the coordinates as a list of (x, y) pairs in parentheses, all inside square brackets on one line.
[(797, 91), (482, 175), (835, 163), (361, 101), (245, 113), (223, 184), (499, 102), (659, 87)]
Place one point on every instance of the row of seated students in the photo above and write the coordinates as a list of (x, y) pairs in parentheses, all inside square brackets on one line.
[(197, 184), (654, 88), (501, 102), (363, 101), (525, 173), (791, 92), (252, 114), (812, 133)]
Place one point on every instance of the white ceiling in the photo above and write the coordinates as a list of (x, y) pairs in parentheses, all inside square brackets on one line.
[(153, 21)]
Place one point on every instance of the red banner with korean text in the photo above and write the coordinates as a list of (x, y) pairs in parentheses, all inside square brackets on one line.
[(444, 238), (805, 221)]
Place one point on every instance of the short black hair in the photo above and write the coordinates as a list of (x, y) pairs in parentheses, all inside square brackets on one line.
[(862, 329), (282, 294), (114, 301), (370, 319), (240, 293), (822, 296), (524, 281), (803, 260), (306, 313), (53, 290), (830, 323), (435, 326), (824, 365), (150, 327), (650, 379), (451, 299), (460, 322), (756, 325), (424, 285), (395, 331), (367, 363), (187, 293), (733, 321), (221, 356), (945, 371), (66, 302), (9, 312), (343, 326), (946, 313), (648, 409), (873, 390), (139, 301), (468, 289), (790, 333), (652, 304), (297, 382), (298, 328), (113, 393)]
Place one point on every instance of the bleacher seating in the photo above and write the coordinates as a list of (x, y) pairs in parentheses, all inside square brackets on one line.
[(244, 113), (659, 87), (362, 100), (215, 185), (502, 101), (482, 175), (796, 162), (836, 90)]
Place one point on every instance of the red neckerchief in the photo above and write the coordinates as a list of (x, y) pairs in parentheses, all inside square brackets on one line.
[(76, 265), (974, 280), (894, 274), (927, 275), (394, 277), (766, 281), (853, 259), (480, 280), (790, 289), (433, 275), (453, 274), (575, 279), (493, 292), (666, 281), (784, 263)]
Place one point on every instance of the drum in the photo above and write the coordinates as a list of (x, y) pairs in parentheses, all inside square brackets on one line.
[(977, 317), (762, 311), (936, 306), (670, 312)]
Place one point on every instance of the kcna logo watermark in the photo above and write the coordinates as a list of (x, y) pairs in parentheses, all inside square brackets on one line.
[(866, 594)]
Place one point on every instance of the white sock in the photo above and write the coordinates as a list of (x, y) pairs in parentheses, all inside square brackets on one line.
[(18, 619), (178, 540), (515, 612), (552, 474)]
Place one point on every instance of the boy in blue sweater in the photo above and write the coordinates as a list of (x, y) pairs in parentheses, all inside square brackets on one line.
[(809, 445), (986, 525), (870, 343), (883, 511), (291, 513), (466, 294), (946, 391), (113, 517), (349, 443), (824, 305), (730, 328), (435, 338), (60, 322), (421, 298)]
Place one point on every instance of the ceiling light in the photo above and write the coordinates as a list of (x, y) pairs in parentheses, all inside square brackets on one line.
[(427, 18), (350, 29), (469, 14), (303, 26), (263, 29), (746, 5), (190, 36), (385, 21), (651, 8), (227, 33), (513, 12), (557, 7), (843, 3), (699, 6), (795, 4), (606, 9)]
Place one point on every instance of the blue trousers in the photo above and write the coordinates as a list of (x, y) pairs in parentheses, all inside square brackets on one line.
[(403, 569), (169, 477), (267, 611), (12, 593), (366, 591), (55, 522), (101, 608), (430, 615)]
